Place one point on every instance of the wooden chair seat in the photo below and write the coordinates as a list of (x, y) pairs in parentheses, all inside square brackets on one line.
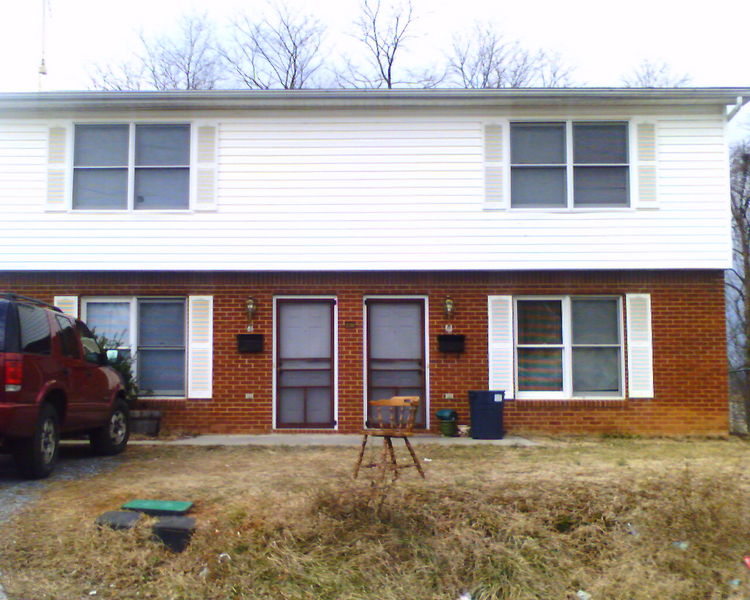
[(393, 418)]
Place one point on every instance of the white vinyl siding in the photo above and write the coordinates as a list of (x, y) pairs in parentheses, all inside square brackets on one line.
[(371, 191)]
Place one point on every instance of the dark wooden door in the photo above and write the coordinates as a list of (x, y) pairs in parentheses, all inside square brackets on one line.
[(396, 350), (305, 364)]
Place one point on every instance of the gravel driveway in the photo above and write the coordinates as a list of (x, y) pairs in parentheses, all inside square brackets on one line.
[(76, 462)]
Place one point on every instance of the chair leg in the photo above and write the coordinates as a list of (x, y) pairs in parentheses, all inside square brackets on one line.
[(384, 460), (361, 454), (414, 458), (392, 453)]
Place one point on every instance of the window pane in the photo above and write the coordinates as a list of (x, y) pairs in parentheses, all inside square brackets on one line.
[(537, 143), (596, 370), (68, 339), (162, 145), (162, 188), (540, 369), (539, 322), (538, 187), (101, 146), (111, 320), (595, 143), (161, 323), (100, 188), (600, 186), (35, 333), (595, 321), (161, 372)]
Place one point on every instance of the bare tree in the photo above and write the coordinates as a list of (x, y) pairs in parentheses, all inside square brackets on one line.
[(738, 278), (186, 61), (384, 31), (483, 58), (653, 74), (283, 51)]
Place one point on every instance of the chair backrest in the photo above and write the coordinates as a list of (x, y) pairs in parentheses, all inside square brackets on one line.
[(395, 414)]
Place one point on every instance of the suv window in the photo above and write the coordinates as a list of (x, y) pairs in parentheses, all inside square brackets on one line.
[(35, 332), (68, 340), (91, 350)]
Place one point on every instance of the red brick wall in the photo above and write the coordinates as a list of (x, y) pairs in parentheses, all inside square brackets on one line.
[(690, 367)]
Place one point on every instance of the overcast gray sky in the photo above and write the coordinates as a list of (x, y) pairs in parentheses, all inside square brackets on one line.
[(603, 40)]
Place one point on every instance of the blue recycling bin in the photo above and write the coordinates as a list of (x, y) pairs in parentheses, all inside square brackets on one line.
[(486, 410)]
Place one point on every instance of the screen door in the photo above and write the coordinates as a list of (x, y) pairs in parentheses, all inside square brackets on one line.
[(304, 363), (396, 351)]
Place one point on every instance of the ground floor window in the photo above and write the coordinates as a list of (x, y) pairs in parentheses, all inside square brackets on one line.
[(569, 346), (150, 330)]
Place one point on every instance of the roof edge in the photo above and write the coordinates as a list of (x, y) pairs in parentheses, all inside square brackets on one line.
[(371, 98)]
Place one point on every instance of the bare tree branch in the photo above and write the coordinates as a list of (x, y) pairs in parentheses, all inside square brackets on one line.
[(655, 73), (283, 51), (384, 32), (484, 58), (185, 61)]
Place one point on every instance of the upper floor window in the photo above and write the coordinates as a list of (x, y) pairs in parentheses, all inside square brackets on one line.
[(569, 164), (129, 166)]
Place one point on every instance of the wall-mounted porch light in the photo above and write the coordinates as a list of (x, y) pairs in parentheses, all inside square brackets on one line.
[(449, 309), (250, 307)]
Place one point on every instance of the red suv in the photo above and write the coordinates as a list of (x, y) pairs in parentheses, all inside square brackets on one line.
[(54, 380)]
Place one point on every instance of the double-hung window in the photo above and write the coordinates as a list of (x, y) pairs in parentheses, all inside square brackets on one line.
[(569, 346), (131, 166), (569, 164), (149, 330)]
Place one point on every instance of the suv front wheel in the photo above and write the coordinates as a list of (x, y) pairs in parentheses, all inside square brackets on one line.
[(113, 437), (36, 456)]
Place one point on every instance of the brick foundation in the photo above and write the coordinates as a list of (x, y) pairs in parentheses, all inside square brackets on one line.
[(690, 366)]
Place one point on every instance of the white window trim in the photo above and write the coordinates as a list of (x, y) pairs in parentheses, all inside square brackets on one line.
[(571, 208), (70, 167), (567, 344), (132, 346), (365, 357), (335, 358)]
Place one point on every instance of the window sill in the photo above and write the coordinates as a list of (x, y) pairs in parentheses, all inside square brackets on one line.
[(567, 403), (563, 211), (126, 211)]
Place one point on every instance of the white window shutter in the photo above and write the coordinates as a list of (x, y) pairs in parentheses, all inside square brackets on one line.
[(57, 167), (67, 304), (205, 167), (200, 346), (500, 347), (495, 185), (644, 182), (640, 348)]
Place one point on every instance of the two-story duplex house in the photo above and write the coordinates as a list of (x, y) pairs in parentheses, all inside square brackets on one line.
[(274, 260)]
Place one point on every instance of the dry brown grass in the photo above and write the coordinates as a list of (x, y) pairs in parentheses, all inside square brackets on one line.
[(509, 523)]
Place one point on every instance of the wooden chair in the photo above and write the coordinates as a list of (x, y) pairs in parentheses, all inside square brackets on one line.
[(393, 418)]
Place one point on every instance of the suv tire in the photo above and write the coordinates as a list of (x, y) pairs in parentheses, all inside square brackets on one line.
[(36, 456), (112, 438)]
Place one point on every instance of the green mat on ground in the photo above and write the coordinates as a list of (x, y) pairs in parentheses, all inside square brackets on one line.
[(158, 507)]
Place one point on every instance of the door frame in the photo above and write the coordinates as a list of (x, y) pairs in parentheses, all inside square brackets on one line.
[(365, 337), (335, 351)]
